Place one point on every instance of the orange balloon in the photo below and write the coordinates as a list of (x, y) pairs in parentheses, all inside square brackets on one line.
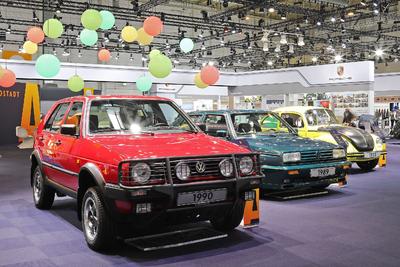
[(209, 75), (35, 35), (153, 26), (104, 55), (8, 79)]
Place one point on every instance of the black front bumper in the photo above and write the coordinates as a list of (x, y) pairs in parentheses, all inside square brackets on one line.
[(163, 199)]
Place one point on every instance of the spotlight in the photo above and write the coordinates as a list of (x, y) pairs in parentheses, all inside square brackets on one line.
[(225, 3), (117, 56), (144, 58), (379, 52), (265, 47), (333, 19), (338, 58), (283, 16), (278, 48), (283, 39), (270, 63), (176, 61), (350, 13), (271, 10), (319, 23), (291, 49), (54, 51), (211, 63), (314, 59), (300, 41), (131, 57), (376, 11), (79, 53), (58, 9), (363, 3), (66, 53), (8, 29)]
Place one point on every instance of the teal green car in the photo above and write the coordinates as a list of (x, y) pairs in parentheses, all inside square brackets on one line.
[(289, 162)]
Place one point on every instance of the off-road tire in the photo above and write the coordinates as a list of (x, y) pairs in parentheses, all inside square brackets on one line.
[(43, 195), (104, 238)]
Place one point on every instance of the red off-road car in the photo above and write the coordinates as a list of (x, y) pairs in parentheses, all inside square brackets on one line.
[(137, 163)]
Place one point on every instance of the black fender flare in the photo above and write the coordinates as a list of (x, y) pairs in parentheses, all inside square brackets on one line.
[(98, 178), (35, 155)]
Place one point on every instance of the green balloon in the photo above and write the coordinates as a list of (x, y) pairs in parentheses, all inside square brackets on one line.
[(144, 83), (75, 83), (154, 53), (108, 20), (53, 28), (160, 66), (88, 37), (47, 65), (91, 19)]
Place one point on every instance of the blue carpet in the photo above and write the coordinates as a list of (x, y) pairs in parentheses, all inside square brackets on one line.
[(354, 226)]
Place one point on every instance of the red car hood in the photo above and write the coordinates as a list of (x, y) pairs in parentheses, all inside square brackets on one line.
[(166, 145)]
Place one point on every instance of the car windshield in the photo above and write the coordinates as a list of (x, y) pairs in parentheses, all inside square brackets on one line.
[(320, 117), (126, 116), (260, 123)]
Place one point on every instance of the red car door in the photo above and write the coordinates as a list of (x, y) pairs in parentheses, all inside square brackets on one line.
[(47, 138), (64, 144)]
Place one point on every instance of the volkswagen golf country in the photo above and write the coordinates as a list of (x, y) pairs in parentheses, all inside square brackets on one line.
[(137, 163)]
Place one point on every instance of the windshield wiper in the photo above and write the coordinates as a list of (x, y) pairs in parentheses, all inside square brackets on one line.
[(173, 128)]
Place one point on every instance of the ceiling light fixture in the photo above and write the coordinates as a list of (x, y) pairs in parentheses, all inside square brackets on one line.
[(283, 39), (270, 63), (379, 52), (265, 47), (291, 49), (271, 10), (278, 48), (314, 59), (338, 58), (300, 41)]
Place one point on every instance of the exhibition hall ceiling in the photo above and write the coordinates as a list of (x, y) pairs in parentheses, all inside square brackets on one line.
[(234, 35)]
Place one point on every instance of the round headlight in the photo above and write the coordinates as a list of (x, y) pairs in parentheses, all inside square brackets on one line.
[(182, 171), (141, 172), (379, 141), (246, 165), (226, 168), (338, 153)]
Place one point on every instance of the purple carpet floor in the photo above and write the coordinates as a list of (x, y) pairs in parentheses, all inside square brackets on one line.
[(354, 226)]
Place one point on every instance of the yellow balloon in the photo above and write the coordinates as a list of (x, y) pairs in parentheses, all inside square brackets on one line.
[(1, 71), (143, 38), (198, 82), (30, 47), (129, 34)]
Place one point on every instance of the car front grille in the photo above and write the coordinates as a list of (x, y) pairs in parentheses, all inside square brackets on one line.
[(211, 171), (317, 155)]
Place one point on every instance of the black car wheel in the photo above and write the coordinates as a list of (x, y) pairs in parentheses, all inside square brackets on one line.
[(96, 224), (368, 165), (43, 195), (229, 221)]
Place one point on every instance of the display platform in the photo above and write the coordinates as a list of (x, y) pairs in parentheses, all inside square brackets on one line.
[(354, 226)]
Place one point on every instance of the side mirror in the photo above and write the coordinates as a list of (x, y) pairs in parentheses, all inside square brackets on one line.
[(222, 133), (68, 129), (202, 126)]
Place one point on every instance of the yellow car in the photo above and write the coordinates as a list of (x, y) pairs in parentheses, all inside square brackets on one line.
[(363, 148)]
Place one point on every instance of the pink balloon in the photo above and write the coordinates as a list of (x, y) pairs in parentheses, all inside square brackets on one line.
[(153, 26), (209, 75), (35, 35), (8, 79), (104, 55)]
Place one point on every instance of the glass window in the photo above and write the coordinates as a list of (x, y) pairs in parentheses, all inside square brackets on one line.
[(247, 123), (318, 117), (294, 120), (74, 115), (56, 119), (135, 116), (196, 118), (215, 124)]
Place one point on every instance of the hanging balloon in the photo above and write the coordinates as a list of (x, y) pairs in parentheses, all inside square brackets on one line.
[(104, 55), (209, 75), (1, 71), (153, 53), (198, 82), (107, 20), (143, 38), (88, 37), (30, 47), (129, 34), (160, 66), (35, 35), (153, 26), (186, 45), (8, 79), (91, 19), (75, 83), (53, 28), (47, 65), (144, 83)]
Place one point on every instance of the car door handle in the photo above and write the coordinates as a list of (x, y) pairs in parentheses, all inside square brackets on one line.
[(58, 142)]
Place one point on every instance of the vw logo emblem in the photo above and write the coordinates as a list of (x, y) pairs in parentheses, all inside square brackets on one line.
[(200, 167)]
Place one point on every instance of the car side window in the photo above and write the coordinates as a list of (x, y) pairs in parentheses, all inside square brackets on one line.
[(56, 119), (294, 120), (74, 115), (196, 118), (215, 123)]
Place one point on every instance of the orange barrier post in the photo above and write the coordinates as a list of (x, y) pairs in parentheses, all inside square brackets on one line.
[(251, 216)]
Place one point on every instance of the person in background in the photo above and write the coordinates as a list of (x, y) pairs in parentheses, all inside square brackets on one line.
[(348, 116)]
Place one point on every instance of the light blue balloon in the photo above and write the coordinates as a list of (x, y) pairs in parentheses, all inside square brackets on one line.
[(108, 20), (186, 45), (88, 37), (144, 83), (47, 65)]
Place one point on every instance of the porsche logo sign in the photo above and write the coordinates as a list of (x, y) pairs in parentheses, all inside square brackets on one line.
[(340, 71)]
